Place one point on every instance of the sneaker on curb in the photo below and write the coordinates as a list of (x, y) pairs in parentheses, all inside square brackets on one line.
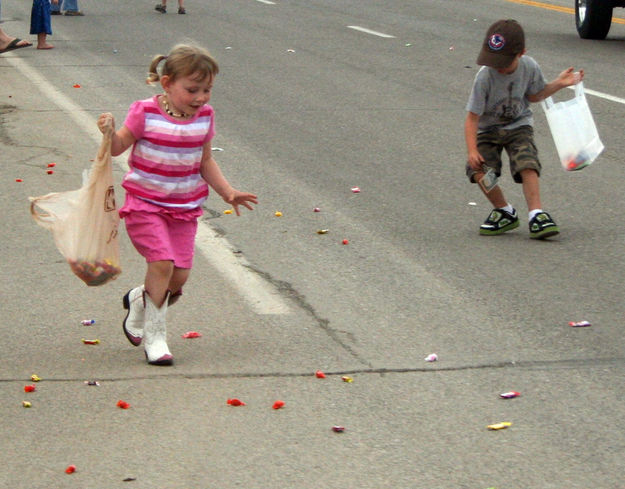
[(182, 11), (542, 226), (160, 8), (499, 221), (74, 13)]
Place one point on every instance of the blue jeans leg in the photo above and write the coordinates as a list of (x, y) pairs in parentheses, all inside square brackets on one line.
[(70, 5)]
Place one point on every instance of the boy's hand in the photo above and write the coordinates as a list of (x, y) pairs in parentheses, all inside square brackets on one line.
[(475, 160), (568, 77), (106, 121), (241, 198)]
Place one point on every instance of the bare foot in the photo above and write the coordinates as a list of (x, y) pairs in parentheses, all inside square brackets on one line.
[(45, 46)]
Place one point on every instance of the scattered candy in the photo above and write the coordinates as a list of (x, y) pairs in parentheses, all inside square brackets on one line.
[(579, 324), (320, 375), (451, 48), (472, 203), (122, 404), (18, 180), (217, 149), (76, 85), (355, 190), (228, 211), (499, 426), (235, 402), (35, 378), (347, 379), (278, 404), (192, 334), (91, 342), (345, 241), (316, 209), (87, 322), (51, 165), (322, 231), (129, 479), (338, 429), (432, 357), (26, 404), (92, 382), (278, 214), (29, 388), (290, 50), (50, 172), (70, 469), (509, 395)]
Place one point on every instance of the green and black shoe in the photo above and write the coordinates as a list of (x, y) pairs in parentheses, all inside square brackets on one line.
[(498, 222), (542, 226)]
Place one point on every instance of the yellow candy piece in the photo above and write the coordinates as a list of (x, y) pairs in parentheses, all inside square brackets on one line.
[(91, 342), (35, 378), (228, 211), (26, 404), (499, 426), (323, 231), (278, 214), (347, 379)]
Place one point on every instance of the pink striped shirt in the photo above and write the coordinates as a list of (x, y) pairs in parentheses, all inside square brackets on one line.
[(166, 157)]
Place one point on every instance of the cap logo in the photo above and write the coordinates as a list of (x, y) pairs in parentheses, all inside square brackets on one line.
[(496, 42)]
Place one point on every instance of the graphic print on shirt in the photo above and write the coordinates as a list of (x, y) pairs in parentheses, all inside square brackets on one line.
[(510, 108)]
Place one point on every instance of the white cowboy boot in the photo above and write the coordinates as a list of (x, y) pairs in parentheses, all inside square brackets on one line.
[(155, 333), (133, 322)]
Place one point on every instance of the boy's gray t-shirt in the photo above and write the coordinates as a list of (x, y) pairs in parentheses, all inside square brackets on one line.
[(501, 100)]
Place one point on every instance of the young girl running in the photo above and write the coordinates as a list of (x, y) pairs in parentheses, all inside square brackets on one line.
[(171, 167)]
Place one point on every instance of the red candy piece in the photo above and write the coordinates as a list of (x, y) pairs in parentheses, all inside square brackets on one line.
[(338, 429), (50, 172), (345, 241), (192, 334), (122, 404), (18, 180), (29, 388), (51, 165), (320, 375), (70, 469), (76, 85), (278, 404), (235, 402)]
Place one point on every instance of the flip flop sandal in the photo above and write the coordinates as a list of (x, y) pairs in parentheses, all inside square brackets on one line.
[(14, 44)]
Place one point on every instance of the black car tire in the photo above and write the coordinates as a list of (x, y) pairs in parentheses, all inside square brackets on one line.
[(593, 18)]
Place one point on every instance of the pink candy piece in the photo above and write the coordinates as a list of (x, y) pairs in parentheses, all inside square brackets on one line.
[(432, 357), (192, 334), (509, 395), (356, 190)]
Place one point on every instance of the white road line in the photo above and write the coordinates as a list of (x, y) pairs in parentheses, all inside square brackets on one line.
[(261, 296), (369, 31), (602, 95)]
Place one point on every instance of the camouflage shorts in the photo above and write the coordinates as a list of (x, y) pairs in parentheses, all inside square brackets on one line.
[(519, 145)]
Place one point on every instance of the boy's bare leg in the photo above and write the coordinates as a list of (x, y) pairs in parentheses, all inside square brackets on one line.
[(531, 189)]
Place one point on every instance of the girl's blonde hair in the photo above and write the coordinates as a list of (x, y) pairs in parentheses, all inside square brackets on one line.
[(183, 60)]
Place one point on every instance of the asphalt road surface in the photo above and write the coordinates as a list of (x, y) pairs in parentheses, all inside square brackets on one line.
[(313, 99)]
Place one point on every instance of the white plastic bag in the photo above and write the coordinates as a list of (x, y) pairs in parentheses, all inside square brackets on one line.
[(84, 222), (573, 130)]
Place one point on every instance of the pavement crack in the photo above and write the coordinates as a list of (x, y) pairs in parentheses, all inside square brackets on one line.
[(567, 363)]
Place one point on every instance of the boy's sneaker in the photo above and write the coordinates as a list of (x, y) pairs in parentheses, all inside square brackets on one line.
[(499, 221), (542, 226), (160, 8)]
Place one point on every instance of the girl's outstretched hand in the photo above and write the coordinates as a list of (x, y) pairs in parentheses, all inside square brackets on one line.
[(106, 120), (238, 198)]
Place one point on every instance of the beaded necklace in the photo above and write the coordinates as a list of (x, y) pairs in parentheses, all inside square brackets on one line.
[(171, 112)]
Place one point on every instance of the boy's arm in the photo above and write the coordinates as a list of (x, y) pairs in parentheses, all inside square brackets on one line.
[(564, 79), (474, 158), (211, 173)]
